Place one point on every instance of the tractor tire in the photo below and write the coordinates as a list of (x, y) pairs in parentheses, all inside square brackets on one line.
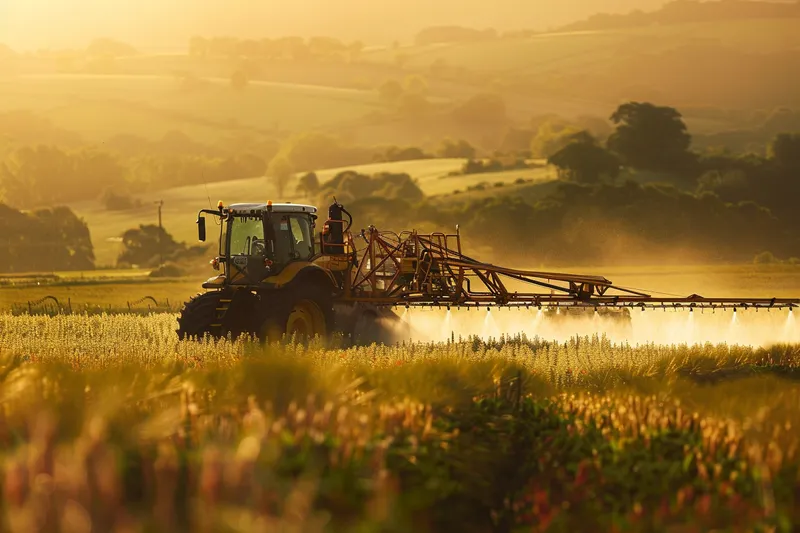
[(198, 316), (301, 310)]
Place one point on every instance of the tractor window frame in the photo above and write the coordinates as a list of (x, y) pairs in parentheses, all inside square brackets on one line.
[(305, 225), (231, 226)]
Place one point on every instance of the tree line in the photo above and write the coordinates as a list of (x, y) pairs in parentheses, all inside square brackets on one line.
[(44, 240), (291, 48)]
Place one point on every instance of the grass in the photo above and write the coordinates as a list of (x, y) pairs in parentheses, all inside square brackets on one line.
[(504, 435), (94, 294), (150, 106), (594, 51)]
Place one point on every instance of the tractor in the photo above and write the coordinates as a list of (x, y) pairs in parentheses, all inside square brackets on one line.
[(279, 277)]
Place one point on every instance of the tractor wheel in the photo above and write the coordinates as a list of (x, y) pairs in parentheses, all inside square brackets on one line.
[(302, 311), (208, 314), (199, 315)]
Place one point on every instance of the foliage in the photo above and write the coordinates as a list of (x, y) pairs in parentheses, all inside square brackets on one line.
[(114, 201), (456, 149), (552, 136), (583, 161), (36, 176), (348, 186), (146, 245), (785, 150), (44, 240), (291, 48), (452, 34), (680, 12), (650, 137), (482, 166), (316, 150), (308, 184), (474, 435), (281, 171), (481, 110), (398, 153)]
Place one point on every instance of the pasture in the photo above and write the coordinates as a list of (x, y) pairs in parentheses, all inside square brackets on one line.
[(510, 434), (593, 51), (99, 107)]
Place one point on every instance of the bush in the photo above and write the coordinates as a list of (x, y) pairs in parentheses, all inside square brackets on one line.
[(168, 270), (766, 258), (113, 201)]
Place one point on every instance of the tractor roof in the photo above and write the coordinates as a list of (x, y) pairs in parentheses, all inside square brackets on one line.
[(277, 208)]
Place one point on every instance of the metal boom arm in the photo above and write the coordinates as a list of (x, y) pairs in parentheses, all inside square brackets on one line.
[(413, 269)]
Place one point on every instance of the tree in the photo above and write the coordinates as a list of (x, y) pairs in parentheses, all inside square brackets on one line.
[(281, 171), (582, 160), (456, 149), (650, 137), (785, 150), (308, 184), (552, 136), (44, 240), (146, 244)]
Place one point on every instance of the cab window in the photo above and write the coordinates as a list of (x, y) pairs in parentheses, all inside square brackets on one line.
[(247, 236), (303, 238)]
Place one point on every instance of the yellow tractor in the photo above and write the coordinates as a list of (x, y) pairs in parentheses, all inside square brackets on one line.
[(279, 276)]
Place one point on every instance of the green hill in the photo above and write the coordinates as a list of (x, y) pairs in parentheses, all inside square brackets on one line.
[(101, 106)]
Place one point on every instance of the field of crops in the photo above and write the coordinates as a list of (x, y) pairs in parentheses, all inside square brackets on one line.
[(150, 106), (594, 51), (111, 424)]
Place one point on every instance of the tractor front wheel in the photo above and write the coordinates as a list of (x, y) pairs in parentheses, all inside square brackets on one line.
[(303, 312)]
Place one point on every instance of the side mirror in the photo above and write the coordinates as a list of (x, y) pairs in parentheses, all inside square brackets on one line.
[(201, 228)]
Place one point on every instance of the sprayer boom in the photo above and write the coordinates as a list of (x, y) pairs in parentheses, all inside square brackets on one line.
[(413, 269)]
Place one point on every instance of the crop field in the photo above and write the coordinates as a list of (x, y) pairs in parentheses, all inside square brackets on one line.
[(504, 434), (594, 50), (150, 106)]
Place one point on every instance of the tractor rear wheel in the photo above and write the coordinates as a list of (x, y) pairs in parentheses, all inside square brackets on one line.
[(302, 311), (199, 316)]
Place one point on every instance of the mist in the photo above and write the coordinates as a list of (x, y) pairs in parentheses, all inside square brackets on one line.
[(744, 327), (33, 24)]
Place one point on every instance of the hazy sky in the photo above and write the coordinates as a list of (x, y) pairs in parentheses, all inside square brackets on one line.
[(72, 23)]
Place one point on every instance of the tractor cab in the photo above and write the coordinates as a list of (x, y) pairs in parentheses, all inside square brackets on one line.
[(258, 240)]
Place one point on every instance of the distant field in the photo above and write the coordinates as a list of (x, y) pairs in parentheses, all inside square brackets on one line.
[(181, 204), (100, 107), (588, 51), (105, 293)]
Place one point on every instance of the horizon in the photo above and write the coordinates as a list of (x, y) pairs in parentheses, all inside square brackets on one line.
[(26, 25)]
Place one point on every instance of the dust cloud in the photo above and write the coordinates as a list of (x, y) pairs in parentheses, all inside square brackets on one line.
[(749, 327)]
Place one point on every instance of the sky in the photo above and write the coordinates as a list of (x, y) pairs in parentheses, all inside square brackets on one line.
[(33, 24)]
